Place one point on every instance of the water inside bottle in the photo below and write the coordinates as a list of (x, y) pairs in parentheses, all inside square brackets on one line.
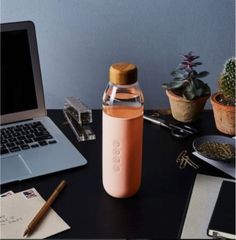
[(122, 149), (123, 111)]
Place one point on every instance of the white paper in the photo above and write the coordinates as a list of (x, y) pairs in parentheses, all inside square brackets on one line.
[(17, 210), (8, 193), (201, 206)]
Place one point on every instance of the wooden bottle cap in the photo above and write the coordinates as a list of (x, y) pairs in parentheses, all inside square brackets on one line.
[(123, 73)]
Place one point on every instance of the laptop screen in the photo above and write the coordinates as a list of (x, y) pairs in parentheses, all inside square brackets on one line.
[(17, 80)]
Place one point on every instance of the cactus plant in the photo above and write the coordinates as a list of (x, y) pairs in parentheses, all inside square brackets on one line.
[(223, 101), (186, 82), (227, 83)]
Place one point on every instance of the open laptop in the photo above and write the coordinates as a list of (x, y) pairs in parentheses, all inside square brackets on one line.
[(31, 144)]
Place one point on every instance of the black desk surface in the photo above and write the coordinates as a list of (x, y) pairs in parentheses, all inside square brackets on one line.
[(159, 208)]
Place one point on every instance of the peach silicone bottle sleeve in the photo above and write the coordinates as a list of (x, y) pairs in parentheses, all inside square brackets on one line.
[(122, 155)]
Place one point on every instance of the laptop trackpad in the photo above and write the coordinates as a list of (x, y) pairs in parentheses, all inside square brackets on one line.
[(13, 168)]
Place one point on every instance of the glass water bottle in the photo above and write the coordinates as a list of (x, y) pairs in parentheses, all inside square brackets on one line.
[(122, 132)]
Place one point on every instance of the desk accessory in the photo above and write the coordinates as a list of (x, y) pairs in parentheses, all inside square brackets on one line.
[(18, 209), (183, 160), (224, 100), (42, 212), (176, 130), (228, 168), (122, 132), (215, 147), (78, 110), (79, 116), (201, 205), (222, 223)]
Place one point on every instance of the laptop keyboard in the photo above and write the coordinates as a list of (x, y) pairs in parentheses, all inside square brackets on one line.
[(24, 137)]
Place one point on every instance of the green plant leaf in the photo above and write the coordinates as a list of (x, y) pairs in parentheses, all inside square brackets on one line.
[(196, 63), (177, 74), (197, 83), (173, 85), (206, 89), (188, 95), (189, 92), (178, 79), (202, 74), (198, 92)]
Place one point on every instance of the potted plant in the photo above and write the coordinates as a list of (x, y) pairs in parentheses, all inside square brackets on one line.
[(223, 101), (187, 93)]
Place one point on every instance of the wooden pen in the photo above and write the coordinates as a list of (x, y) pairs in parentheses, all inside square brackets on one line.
[(41, 213)]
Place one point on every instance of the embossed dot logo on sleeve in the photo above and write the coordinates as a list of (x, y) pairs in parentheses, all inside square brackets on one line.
[(116, 155)]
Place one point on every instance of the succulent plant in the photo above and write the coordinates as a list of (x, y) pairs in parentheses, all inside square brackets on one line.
[(227, 82), (186, 82)]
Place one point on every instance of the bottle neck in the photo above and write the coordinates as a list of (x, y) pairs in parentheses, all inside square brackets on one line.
[(122, 86), (123, 95)]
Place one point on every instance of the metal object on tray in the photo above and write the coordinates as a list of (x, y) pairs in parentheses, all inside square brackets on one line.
[(215, 147)]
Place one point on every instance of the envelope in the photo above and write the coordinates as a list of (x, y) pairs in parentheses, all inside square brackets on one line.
[(17, 210)]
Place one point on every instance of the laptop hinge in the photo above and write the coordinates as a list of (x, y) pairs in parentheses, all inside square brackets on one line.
[(28, 119)]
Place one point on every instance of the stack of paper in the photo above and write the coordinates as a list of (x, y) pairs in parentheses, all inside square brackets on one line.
[(201, 206), (18, 209)]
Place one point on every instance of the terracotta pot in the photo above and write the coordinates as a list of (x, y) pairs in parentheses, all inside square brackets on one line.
[(224, 116), (185, 110)]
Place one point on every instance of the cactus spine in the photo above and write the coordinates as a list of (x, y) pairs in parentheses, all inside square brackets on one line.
[(227, 81)]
